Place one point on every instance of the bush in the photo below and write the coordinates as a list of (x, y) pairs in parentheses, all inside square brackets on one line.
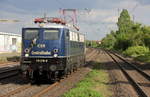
[(10, 59), (14, 58), (136, 51), (144, 58), (3, 59)]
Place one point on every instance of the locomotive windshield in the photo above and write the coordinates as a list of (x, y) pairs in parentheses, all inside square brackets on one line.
[(51, 34), (31, 34)]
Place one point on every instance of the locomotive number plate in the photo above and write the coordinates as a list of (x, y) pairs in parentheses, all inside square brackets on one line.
[(41, 60)]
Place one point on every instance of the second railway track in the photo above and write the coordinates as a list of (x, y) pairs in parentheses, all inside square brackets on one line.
[(6, 73), (139, 79), (146, 75)]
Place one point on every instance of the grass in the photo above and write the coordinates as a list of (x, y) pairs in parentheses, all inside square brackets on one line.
[(93, 85)]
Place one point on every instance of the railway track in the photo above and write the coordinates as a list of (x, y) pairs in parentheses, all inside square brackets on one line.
[(38, 91), (133, 66), (44, 90), (9, 72), (28, 86), (20, 89), (37, 94), (141, 84)]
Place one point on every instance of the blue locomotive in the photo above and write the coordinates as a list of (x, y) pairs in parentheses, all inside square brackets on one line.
[(51, 50)]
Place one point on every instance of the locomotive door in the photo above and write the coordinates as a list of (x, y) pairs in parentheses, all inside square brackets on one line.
[(67, 41)]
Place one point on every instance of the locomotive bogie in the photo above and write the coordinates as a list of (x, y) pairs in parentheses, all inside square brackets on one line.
[(52, 68)]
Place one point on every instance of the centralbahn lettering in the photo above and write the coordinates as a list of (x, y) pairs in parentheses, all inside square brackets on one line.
[(41, 53)]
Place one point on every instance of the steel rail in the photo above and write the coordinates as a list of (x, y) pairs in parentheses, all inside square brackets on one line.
[(133, 66), (8, 70), (16, 91), (8, 73), (45, 90), (136, 86)]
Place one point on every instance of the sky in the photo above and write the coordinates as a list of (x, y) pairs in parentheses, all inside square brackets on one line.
[(96, 18)]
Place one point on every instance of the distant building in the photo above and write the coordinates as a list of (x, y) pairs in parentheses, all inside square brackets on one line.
[(10, 42)]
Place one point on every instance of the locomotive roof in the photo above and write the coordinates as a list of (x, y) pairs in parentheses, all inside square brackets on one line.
[(46, 26), (52, 25)]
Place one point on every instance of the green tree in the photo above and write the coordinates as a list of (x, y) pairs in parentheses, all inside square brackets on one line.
[(129, 35), (124, 22), (109, 41), (122, 42), (146, 36)]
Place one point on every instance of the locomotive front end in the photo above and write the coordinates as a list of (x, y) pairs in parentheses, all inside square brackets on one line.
[(42, 52)]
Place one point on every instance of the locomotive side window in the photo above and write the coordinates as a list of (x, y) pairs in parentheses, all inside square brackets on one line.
[(67, 32), (30, 34), (51, 34)]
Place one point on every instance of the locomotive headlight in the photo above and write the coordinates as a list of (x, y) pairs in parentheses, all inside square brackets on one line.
[(52, 67), (55, 55), (55, 50), (26, 55)]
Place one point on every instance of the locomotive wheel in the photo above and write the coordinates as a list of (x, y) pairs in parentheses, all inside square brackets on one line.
[(74, 69), (60, 74), (70, 71), (24, 76), (35, 78), (66, 72)]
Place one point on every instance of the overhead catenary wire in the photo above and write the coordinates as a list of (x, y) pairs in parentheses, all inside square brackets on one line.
[(134, 10), (60, 3)]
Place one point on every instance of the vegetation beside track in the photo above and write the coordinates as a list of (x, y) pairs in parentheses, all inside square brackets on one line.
[(144, 58), (131, 38), (139, 53), (9, 57), (93, 85)]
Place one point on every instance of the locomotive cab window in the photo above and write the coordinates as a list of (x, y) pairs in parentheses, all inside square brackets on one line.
[(30, 34), (51, 34)]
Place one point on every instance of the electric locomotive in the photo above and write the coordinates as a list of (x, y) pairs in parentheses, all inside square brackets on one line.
[(51, 49)]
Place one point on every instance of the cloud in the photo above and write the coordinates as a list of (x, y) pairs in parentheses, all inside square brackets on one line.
[(112, 19), (144, 2), (25, 17), (127, 4), (141, 14), (98, 15), (97, 23)]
